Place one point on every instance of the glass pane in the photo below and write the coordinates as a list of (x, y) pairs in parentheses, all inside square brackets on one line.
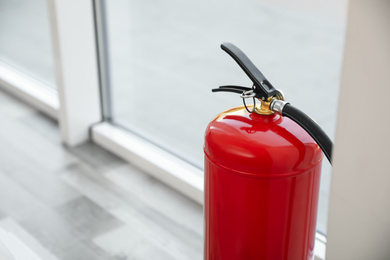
[(165, 59), (25, 39)]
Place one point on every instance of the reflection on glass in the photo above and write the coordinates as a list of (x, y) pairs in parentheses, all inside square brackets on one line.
[(25, 39), (164, 58)]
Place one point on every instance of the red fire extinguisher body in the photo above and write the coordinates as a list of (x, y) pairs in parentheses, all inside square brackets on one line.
[(262, 175)]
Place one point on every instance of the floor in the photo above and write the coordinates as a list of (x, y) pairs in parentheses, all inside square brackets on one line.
[(85, 203)]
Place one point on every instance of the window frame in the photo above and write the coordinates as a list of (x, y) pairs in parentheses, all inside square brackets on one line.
[(76, 68)]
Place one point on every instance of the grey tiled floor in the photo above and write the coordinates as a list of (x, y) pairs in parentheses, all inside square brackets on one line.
[(84, 203)]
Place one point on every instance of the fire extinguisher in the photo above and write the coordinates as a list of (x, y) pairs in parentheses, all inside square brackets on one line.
[(262, 175)]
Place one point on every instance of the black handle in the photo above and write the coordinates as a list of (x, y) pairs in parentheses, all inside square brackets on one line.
[(311, 127), (263, 87)]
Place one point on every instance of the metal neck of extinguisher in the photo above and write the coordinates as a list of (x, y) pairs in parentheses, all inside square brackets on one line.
[(271, 100)]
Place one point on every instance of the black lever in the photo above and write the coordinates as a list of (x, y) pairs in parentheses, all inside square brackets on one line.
[(261, 86), (231, 88)]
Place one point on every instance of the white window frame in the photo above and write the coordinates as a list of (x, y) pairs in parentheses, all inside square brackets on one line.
[(74, 44)]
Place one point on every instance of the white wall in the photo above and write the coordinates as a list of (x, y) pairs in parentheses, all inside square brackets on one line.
[(359, 214)]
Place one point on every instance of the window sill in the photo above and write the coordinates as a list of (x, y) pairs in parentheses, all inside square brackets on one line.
[(176, 173), (29, 90)]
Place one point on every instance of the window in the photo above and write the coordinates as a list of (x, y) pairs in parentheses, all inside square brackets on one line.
[(25, 39), (162, 59)]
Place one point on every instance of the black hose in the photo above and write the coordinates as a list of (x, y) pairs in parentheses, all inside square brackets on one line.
[(311, 127)]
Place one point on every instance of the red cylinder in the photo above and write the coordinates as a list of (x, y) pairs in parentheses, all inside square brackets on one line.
[(262, 175)]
